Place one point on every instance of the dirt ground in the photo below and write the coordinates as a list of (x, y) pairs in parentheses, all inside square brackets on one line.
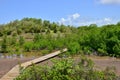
[(100, 63), (7, 64)]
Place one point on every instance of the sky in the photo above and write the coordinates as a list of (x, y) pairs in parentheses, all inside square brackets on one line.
[(68, 12)]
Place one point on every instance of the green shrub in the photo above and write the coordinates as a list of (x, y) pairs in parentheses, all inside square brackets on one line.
[(73, 47), (4, 45), (44, 52), (66, 69), (28, 46), (21, 40)]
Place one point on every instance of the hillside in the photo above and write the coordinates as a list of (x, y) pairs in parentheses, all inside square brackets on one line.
[(39, 37), (36, 37)]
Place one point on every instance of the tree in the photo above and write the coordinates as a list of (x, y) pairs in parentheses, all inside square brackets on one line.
[(13, 40), (73, 47), (19, 31), (92, 26), (116, 50), (66, 69), (4, 45), (118, 23), (28, 46), (37, 37), (21, 40)]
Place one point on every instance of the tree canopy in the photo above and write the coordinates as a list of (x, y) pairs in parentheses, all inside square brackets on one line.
[(31, 34)]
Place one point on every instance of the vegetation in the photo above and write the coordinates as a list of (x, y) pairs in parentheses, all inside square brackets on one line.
[(30, 34), (67, 69)]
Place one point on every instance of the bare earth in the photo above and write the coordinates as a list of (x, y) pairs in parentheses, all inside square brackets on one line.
[(7, 64), (103, 62), (100, 63)]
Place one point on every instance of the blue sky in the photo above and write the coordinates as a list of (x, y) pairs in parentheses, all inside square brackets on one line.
[(69, 12)]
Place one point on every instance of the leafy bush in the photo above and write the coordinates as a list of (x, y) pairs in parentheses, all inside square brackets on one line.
[(66, 69), (104, 40), (44, 52), (28, 46), (4, 45), (21, 40), (73, 47)]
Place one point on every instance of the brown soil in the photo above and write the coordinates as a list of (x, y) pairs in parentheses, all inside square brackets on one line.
[(100, 63), (7, 64)]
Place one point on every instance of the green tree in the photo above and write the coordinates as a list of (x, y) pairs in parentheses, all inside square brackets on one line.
[(116, 50), (67, 69), (4, 45), (28, 46), (21, 40), (73, 47), (118, 23)]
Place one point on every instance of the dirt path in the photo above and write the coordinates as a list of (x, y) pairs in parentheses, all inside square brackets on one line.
[(14, 72), (7, 64), (100, 63), (103, 62)]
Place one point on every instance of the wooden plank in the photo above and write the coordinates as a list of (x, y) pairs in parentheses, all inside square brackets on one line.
[(14, 72)]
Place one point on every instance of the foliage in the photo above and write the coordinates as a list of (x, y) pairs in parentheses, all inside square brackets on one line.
[(44, 35), (21, 40), (28, 46), (66, 69), (73, 47), (4, 45)]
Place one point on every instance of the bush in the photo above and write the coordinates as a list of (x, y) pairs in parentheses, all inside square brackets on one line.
[(73, 47), (102, 52), (28, 46), (21, 40), (66, 69), (44, 52), (4, 45)]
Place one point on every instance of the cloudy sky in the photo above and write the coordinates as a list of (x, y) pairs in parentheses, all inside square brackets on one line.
[(68, 12)]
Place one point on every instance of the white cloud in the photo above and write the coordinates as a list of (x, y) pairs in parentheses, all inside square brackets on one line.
[(70, 19), (107, 19), (77, 20), (110, 1), (99, 22), (63, 20), (75, 16)]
